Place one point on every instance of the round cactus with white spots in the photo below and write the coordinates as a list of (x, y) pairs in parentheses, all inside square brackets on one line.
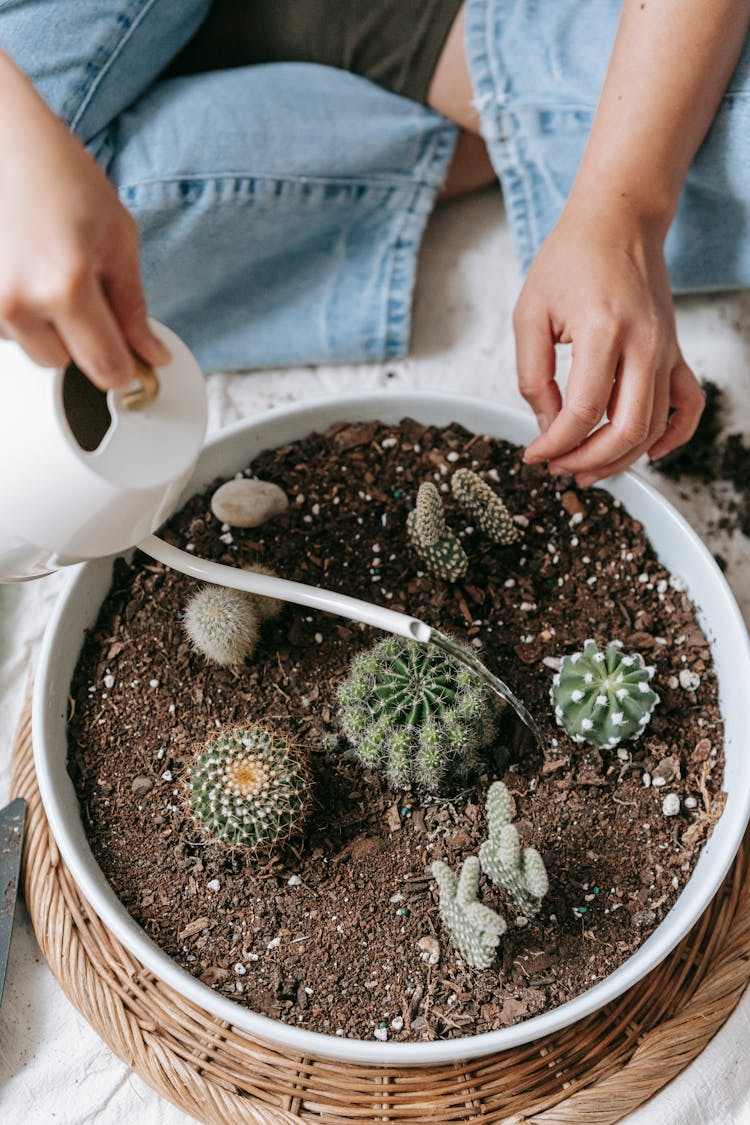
[(603, 696)]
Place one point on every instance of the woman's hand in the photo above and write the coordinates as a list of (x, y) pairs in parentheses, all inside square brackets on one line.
[(600, 283), (69, 275)]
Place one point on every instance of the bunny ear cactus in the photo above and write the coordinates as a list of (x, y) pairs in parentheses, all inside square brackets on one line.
[(250, 788), (417, 712), (475, 929), (520, 871), (485, 507), (603, 697), (432, 538)]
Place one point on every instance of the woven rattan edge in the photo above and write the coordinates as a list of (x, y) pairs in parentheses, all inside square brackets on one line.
[(595, 1073)]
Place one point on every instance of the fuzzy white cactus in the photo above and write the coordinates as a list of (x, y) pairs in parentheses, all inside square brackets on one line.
[(222, 624), (266, 608)]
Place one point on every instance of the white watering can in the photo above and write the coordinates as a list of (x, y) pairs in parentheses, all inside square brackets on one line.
[(85, 475)]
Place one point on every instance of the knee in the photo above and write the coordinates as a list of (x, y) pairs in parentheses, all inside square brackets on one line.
[(89, 61)]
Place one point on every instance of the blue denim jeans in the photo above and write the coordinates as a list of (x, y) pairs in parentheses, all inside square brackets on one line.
[(538, 67), (281, 207)]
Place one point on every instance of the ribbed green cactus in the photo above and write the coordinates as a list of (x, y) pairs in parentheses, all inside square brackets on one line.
[(520, 871), (223, 624), (250, 788), (432, 538), (603, 697), (416, 711), (475, 929), (485, 506)]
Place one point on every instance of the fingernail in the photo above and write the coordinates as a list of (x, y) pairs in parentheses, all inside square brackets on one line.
[(530, 453), (586, 481), (543, 422)]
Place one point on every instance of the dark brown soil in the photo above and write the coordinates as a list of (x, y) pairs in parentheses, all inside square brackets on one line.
[(721, 463), (326, 935)]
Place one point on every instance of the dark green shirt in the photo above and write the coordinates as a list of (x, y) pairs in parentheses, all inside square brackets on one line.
[(395, 43)]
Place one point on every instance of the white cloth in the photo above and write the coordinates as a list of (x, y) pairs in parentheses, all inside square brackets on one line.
[(53, 1068)]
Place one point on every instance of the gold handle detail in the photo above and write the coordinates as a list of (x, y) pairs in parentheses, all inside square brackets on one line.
[(147, 389)]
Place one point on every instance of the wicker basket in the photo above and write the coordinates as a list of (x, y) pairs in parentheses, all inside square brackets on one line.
[(593, 1073)]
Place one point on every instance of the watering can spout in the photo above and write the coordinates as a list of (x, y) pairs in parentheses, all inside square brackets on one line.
[(86, 474)]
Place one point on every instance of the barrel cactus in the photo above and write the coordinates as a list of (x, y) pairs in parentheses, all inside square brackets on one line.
[(433, 539), (603, 696), (476, 929), (520, 871), (417, 712), (250, 788), (484, 506)]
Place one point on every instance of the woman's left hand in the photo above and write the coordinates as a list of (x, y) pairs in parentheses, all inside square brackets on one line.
[(600, 283)]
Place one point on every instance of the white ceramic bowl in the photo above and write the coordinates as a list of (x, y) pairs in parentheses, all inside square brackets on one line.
[(676, 545)]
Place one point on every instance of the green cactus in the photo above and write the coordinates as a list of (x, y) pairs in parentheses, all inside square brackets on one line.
[(485, 506), (476, 929), (250, 788), (432, 538), (416, 711), (223, 624), (603, 697), (520, 871)]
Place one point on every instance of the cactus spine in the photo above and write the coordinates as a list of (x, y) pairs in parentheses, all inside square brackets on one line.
[(416, 711), (432, 538), (603, 697), (475, 929), (485, 506), (250, 788), (520, 871)]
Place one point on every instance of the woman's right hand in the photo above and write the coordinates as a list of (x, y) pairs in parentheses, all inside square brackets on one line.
[(70, 286)]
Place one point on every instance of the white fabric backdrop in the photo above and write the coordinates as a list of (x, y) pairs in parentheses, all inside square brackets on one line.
[(53, 1068)]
